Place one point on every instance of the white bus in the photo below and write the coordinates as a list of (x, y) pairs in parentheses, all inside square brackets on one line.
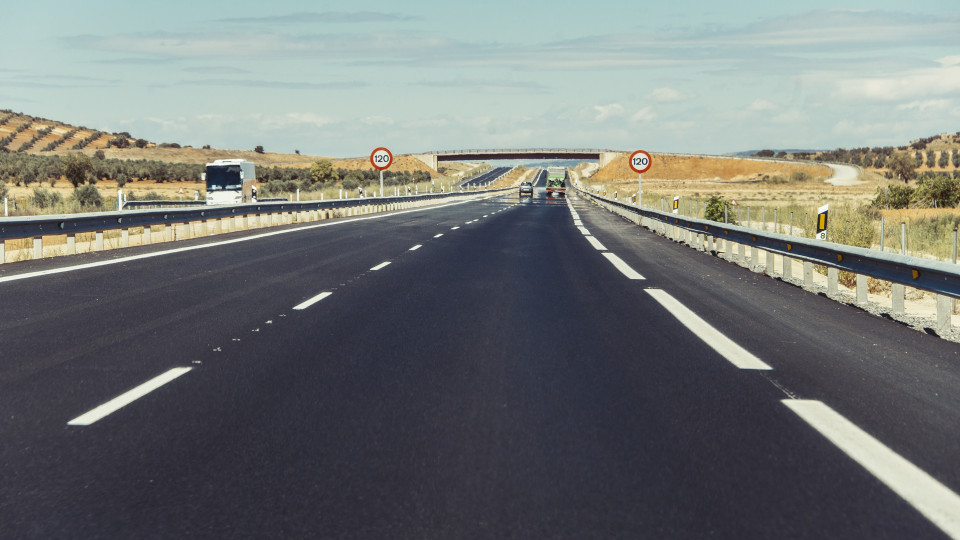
[(230, 181)]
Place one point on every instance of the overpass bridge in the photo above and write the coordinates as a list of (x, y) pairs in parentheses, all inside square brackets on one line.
[(433, 159)]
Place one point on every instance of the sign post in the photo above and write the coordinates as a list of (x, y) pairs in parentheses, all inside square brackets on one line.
[(640, 162), (381, 158)]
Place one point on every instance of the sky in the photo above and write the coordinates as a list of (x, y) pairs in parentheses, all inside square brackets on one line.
[(339, 79)]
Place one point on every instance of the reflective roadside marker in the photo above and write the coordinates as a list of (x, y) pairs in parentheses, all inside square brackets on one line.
[(822, 222), (676, 205)]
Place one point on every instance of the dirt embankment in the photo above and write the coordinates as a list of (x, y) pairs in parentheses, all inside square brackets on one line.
[(673, 167), (400, 163)]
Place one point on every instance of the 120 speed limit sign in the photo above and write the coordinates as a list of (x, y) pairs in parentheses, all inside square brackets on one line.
[(640, 161), (381, 158)]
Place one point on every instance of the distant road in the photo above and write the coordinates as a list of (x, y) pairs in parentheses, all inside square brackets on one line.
[(843, 175), (499, 368)]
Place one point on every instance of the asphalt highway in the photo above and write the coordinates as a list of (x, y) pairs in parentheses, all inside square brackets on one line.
[(486, 177), (497, 368)]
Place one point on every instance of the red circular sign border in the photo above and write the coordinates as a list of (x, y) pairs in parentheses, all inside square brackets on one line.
[(649, 161), (389, 153)]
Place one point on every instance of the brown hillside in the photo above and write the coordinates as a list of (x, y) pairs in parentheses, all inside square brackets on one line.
[(673, 167), (400, 163)]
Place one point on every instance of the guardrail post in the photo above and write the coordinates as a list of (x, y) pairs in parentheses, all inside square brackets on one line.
[(807, 275), (124, 237), (833, 276), (146, 235), (862, 297), (742, 251), (944, 313), (897, 298), (37, 247), (787, 265), (71, 244), (98, 245), (770, 262), (3, 251), (167, 233)]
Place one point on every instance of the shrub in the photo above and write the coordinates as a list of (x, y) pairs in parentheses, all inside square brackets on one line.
[(88, 196), (714, 210), (895, 196), (351, 182), (44, 198)]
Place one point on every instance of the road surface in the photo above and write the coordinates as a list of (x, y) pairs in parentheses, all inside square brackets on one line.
[(498, 368)]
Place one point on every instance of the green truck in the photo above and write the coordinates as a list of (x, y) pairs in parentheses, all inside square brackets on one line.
[(556, 182)]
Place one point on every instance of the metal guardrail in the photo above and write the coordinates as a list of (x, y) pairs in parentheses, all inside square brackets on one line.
[(934, 276), (38, 226), (162, 204)]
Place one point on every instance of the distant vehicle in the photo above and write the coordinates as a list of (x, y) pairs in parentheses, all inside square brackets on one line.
[(230, 181), (556, 181), (526, 188)]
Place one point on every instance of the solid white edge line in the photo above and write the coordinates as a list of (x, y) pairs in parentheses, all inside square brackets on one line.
[(623, 267), (121, 260), (416, 247), (735, 354), (923, 492), (595, 243), (127, 398), (312, 301), (380, 266)]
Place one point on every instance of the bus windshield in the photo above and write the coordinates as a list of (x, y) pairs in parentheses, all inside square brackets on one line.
[(223, 178)]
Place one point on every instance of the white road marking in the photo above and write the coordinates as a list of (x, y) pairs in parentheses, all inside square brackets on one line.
[(454, 228), (584, 230), (596, 244), (312, 301), (416, 247), (577, 223), (122, 260), (622, 266), (931, 498), (127, 398), (735, 354), (438, 235), (380, 266)]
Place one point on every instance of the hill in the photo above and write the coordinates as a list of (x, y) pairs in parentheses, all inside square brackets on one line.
[(22, 133)]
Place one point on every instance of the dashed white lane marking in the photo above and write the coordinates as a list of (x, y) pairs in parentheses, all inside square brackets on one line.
[(623, 267), (596, 244), (931, 498), (584, 231), (122, 260), (454, 228), (735, 354), (577, 223), (312, 301), (438, 235), (416, 247), (380, 266), (127, 398)]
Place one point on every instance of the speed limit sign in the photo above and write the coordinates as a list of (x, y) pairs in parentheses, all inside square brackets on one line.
[(640, 161), (381, 158)]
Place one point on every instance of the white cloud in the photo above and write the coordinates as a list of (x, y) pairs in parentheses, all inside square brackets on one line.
[(926, 105), (941, 80), (668, 95), (762, 105), (644, 115), (606, 112)]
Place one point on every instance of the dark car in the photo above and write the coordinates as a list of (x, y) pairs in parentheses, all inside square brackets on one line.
[(526, 188)]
